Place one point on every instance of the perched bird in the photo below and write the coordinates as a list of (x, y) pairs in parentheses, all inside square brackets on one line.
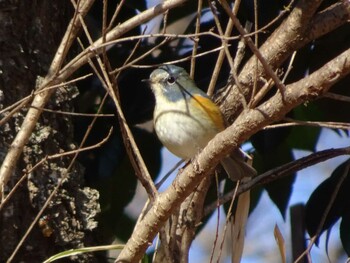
[(186, 119)]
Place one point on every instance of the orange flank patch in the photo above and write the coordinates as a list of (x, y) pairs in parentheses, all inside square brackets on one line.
[(211, 109)]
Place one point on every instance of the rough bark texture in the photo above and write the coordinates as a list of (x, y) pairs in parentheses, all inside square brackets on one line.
[(29, 35)]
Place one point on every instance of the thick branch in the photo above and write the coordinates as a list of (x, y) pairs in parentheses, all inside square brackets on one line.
[(284, 40), (295, 32), (249, 122), (327, 20)]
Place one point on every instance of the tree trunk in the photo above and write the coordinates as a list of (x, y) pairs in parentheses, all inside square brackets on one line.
[(30, 33)]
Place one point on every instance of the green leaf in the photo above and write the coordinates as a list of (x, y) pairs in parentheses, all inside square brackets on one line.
[(279, 191), (77, 251), (305, 137), (345, 232), (255, 195), (319, 200)]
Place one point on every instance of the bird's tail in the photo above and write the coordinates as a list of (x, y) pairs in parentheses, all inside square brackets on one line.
[(236, 168)]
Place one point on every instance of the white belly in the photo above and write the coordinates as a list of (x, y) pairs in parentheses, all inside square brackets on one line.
[(182, 134)]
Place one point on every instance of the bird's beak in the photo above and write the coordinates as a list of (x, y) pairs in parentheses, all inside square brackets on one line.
[(148, 81)]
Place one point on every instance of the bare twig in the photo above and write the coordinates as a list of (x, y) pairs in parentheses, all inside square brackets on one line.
[(24, 101), (338, 97), (74, 113), (325, 124), (255, 50), (195, 40), (221, 55), (132, 63), (281, 171), (178, 60), (256, 43), (241, 48), (228, 56), (290, 67), (166, 176), (116, 13)]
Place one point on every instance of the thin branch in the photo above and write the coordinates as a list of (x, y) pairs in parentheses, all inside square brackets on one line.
[(282, 171), (116, 13), (261, 94), (221, 55), (228, 55), (178, 60), (256, 43), (131, 63), (22, 103), (254, 49), (195, 40), (241, 48), (166, 176), (335, 96), (74, 113), (324, 124), (171, 35), (290, 66)]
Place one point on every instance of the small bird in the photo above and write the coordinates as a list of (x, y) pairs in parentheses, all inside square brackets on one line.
[(186, 119)]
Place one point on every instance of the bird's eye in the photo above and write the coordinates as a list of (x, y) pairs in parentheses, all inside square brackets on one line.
[(171, 80)]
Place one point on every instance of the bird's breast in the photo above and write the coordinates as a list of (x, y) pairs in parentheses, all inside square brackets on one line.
[(183, 128)]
